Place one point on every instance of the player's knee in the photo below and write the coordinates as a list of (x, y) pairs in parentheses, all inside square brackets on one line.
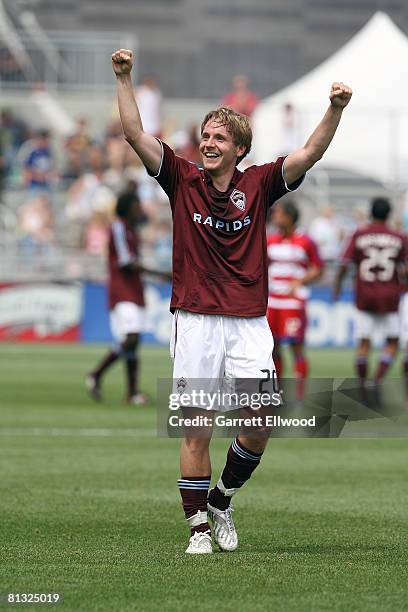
[(364, 346), (196, 445), (392, 345)]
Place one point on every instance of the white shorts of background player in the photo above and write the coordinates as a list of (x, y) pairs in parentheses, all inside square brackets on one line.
[(369, 325), (209, 349), (403, 319), (126, 318)]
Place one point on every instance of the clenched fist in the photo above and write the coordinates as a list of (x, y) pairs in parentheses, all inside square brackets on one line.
[(122, 61), (340, 95)]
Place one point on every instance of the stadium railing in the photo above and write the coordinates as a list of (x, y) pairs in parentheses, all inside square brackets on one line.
[(65, 61)]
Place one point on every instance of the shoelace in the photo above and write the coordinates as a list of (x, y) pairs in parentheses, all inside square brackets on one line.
[(228, 519), (197, 535)]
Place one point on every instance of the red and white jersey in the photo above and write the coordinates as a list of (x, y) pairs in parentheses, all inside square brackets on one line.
[(124, 285), (290, 257)]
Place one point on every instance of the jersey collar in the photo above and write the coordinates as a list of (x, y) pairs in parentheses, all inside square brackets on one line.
[(233, 183)]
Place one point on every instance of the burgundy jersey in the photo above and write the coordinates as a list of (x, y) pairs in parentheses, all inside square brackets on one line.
[(376, 250), (289, 259), (124, 285), (219, 238)]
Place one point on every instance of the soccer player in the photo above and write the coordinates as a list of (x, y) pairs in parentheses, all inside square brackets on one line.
[(220, 281), (126, 299), (377, 251), (294, 263)]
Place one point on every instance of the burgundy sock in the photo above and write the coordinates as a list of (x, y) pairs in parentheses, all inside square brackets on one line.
[(132, 367), (361, 368), (385, 361), (106, 362), (194, 493), (240, 464)]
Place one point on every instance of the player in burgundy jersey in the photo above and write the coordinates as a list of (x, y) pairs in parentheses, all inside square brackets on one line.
[(220, 278), (125, 297), (294, 263), (377, 252)]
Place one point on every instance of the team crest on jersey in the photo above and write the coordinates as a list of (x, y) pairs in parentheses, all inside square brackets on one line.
[(238, 198)]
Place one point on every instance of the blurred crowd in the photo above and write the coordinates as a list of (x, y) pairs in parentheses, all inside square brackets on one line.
[(90, 170), (63, 191)]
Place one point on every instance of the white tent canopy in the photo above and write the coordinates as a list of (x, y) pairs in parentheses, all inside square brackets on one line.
[(373, 134)]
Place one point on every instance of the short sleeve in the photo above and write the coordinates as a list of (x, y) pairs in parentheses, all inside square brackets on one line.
[(172, 170), (313, 254), (273, 177)]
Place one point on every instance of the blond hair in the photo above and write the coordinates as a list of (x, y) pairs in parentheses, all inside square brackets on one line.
[(236, 124)]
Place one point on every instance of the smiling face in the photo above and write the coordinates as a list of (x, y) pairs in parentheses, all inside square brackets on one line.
[(218, 151)]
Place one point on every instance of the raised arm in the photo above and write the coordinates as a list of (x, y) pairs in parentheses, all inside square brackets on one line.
[(300, 161), (146, 146)]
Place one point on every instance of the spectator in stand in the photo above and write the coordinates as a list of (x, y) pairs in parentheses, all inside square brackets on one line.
[(152, 198), (39, 167), (89, 194), (97, 234), (188, 147), (10, 69), (157, 243), (149, 101), (326, 233), (116, 146), (36, 225), (2, 169), (76, 150), (289, 135), (241, 99), (13, 133)]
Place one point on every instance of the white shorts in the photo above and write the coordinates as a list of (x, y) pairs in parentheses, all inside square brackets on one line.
[(216, 350), (126, 318), (403, 318), (369, 325)]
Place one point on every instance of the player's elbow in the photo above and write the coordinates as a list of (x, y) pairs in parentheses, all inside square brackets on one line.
[(313, 155), (132, 137)]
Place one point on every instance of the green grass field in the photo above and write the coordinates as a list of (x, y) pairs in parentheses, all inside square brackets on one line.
[(90, 508)]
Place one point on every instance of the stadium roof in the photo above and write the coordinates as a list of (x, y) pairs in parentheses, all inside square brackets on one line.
[(373, 135)]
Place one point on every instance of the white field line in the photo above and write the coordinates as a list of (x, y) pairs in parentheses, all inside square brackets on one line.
[(74, 432)]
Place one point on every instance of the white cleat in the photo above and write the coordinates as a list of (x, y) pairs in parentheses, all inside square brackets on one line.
[(200, 544), (93, 386), (139, 399), (224, 531)]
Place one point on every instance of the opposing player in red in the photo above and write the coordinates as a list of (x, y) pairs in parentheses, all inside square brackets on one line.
[(377, 252), (220, 278), (294, 263), (126, 299)]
